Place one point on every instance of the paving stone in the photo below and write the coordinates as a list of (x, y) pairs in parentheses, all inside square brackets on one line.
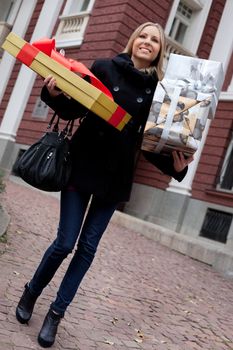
[(138, 294)]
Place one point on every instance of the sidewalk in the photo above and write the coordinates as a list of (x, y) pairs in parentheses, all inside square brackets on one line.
[(138, 294)]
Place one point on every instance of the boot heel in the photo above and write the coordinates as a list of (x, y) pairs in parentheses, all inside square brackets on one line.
[(25, 306), (48, 331)]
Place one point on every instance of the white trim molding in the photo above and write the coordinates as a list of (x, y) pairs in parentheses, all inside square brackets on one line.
[(19, 27), (221, 51), (26, 77), (226, 96)]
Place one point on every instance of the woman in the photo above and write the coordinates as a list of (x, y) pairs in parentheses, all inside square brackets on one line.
[(103, 164)]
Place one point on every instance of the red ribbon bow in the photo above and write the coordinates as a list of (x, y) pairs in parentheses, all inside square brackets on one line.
[(48, 47)]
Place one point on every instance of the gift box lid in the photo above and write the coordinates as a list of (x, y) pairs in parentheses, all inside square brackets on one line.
[(196, 75)]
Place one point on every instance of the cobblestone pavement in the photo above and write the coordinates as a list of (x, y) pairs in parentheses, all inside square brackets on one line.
[(137, 294)]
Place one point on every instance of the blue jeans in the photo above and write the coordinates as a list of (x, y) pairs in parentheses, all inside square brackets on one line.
[(72, 212)]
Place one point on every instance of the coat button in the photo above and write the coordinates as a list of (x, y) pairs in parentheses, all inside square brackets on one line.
[(139, 99), (116, 88), (148, 91)]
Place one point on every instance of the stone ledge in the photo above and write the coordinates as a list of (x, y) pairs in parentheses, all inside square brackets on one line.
[(213, 253)]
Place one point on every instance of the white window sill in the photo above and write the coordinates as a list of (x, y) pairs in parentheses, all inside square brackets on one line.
[(226, 96), (63, 43)]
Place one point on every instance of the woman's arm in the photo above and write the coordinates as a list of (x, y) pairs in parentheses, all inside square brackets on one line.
[(67, 108), (175, 165)]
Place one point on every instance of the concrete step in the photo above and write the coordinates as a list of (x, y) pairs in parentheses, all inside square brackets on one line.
[(210, 252)]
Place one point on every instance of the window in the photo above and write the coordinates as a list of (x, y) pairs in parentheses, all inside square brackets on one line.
[(226, 176), (216, 225), (8, 13), (181, 22), (73, 23), (5, 9), (40, 110), (186, 22), (78, 6)]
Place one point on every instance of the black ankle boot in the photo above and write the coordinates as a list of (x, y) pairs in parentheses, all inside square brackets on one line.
[(48, 331), (25, 306)]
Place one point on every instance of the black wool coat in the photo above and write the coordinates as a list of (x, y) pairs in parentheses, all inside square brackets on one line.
[(103, 157)]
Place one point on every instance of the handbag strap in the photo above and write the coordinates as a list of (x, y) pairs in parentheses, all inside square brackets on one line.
[(67, 130)]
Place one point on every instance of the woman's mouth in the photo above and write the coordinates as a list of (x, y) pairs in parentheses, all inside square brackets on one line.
[(145, 49)]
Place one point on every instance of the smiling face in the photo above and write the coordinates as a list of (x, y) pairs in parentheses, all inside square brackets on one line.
[(146, 47)]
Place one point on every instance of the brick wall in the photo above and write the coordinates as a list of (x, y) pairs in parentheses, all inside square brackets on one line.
[(210, 29), (208, 172), (149, 175), (110, 24)]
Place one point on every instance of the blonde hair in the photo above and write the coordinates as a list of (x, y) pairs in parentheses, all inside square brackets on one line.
[(157, 64)]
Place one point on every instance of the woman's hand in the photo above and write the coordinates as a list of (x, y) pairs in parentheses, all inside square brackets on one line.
[(180, 162), (50, 83)]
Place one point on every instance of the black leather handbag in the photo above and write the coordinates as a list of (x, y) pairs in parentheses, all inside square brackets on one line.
[(46, 164)]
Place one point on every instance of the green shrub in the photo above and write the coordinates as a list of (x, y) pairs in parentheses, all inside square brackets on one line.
[(2, 184)]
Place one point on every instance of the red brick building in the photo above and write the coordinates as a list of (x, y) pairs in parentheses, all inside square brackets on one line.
[(202, 204)]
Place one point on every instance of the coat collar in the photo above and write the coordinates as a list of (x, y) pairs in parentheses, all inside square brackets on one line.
[(124, 61)]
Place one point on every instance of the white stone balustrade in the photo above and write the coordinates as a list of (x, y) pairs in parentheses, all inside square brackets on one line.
[(71, 29)]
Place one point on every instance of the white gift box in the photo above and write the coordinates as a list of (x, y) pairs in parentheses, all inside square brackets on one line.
[(183, 101)]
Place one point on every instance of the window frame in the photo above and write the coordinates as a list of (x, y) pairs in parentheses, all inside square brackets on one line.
[(69, 4), (198, 20), (228, 156), (13, 12), (6, 27)]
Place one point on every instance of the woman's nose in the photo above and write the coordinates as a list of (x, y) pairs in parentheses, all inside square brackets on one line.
[(147, 41)]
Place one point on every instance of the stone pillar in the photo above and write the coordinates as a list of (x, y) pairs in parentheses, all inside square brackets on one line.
[(23, 85), (20, 26)]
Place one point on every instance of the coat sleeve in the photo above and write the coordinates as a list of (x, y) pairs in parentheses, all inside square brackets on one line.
[(66, 108), (69, 108), (165, 164)]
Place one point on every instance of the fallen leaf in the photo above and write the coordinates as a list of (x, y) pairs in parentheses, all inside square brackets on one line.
[(225, 338), (138, 340), (187, 312), (109, 342), (140, 334)]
